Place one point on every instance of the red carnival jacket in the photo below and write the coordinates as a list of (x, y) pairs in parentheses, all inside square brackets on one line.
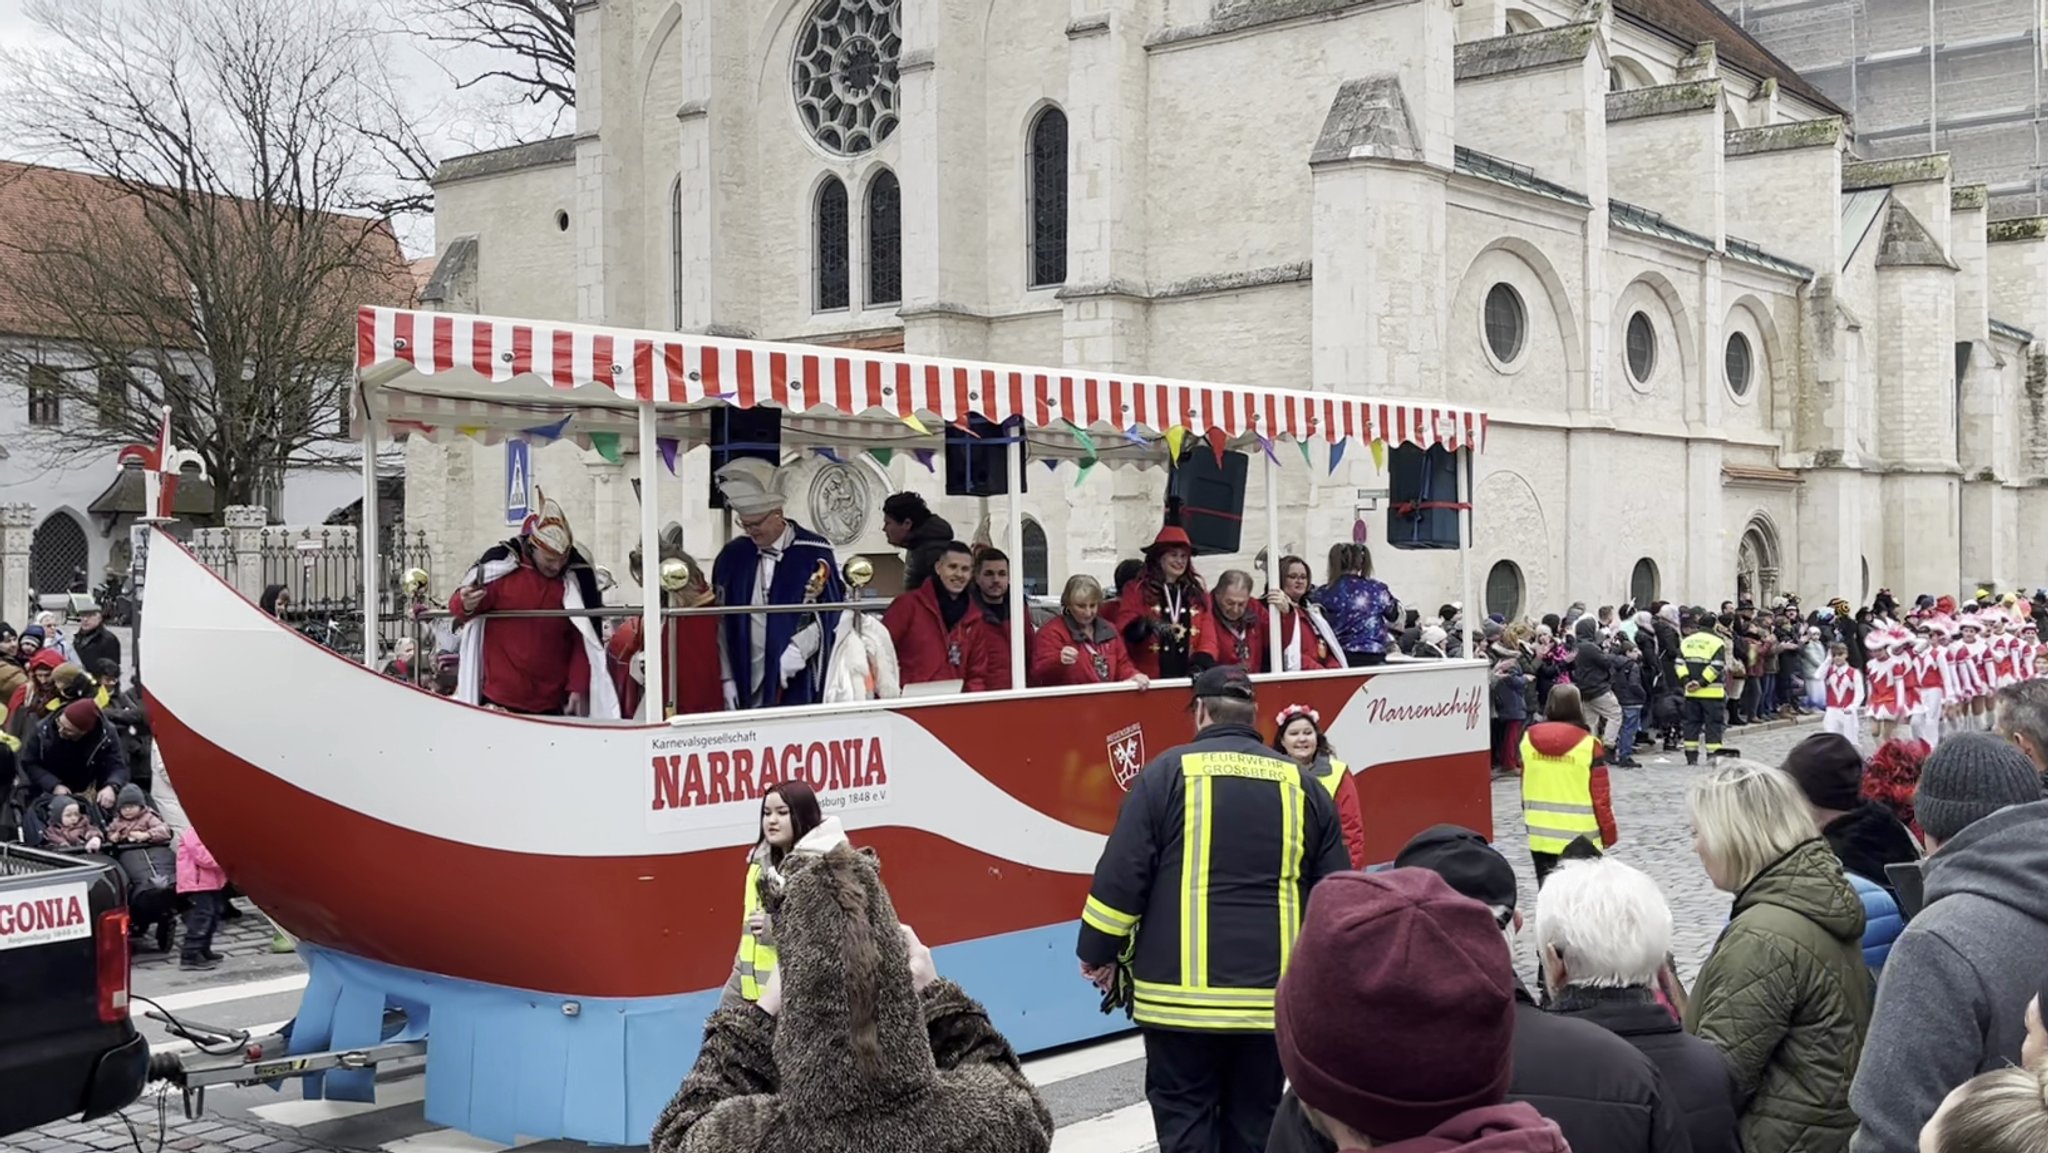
[(1101, 656), (927, 651)]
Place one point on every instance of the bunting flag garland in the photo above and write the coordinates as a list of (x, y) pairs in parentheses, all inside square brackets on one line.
[(828, 454), (1135, 437), (916, 425), (882, 455), (1218, 442), (1379, 455), (1050, 464), (1266, 443), (1081, 437), (471, 430), (925, 456), (1337, 454), (667, 445), (607, 446), (1087, 466), (1175, 438), (1305, 457), (550, 431)]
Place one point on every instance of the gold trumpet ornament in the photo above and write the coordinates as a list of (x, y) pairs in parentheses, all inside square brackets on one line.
[(675, 574), (859, 572), (415, 583)]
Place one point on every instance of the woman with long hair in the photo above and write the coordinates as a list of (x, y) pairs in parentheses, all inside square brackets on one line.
[(1164, 610), (1306, 639), (789, 815), (1298, 734), (1785, 994), (1565, 793), (1358, 605)]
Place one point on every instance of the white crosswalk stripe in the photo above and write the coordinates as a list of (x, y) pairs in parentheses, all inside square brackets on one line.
[(1094, 1091)]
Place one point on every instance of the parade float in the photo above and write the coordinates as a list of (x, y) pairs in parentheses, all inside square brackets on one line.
[(547, 909)]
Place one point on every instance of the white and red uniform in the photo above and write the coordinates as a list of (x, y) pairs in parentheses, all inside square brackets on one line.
[(1845, 696), (1889, 688), (2030, 651), (1931, 684), (1983, 666)]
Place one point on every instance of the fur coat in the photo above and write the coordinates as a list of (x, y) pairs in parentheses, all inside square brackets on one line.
[(857, 1061)]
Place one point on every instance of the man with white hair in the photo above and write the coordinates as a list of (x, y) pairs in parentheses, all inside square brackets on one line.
[(769, 659), (533, 665), (1603, 931)]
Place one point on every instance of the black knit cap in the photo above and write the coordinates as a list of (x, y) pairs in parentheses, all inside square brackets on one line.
[(1829, 771), (1969, 777)]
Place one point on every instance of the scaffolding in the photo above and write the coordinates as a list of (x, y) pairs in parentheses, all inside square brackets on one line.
[(1957, 76)]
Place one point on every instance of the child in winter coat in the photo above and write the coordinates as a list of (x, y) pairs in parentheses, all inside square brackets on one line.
[(134, 823), (1630, 694), (68, 828), (202, 882)]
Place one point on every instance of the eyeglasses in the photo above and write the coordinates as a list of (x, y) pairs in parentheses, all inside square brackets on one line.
[(750, 524)]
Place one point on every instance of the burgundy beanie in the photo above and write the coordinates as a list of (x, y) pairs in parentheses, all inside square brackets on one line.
[(82, 714), (1397, 1012)]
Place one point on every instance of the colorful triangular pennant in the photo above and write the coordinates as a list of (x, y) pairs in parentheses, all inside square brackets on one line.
[(607, 446), (667, 445)]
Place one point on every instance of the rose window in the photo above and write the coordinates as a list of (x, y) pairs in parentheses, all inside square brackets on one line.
[(844, 73)]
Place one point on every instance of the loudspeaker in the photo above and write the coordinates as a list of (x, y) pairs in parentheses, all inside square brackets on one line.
[(978, 457), (741, 432), (1212, 511), (1422, 492)]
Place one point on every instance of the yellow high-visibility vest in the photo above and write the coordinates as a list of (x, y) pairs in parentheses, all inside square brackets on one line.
[(757, 957), (1557, 796), (1700, 656), (1334, 777)]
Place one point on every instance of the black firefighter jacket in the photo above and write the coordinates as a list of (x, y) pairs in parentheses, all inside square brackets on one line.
[(1603, 1093), (1209, 870)]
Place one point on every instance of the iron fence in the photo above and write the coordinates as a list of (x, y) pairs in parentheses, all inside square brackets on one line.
[(320, 572)]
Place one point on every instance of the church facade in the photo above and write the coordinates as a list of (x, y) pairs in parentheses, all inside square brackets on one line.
[(1719, 351)]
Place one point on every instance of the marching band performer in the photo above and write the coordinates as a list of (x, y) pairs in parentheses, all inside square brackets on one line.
[(770, 659)]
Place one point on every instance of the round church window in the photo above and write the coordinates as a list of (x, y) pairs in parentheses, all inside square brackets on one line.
[(1506, 322), (844, 73), (1739, 363), (1642, 347)]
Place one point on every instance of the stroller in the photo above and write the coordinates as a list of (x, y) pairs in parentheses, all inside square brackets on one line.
[(151, 870)]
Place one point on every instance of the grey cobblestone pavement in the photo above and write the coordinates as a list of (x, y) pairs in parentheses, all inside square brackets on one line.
[(1655, 837)]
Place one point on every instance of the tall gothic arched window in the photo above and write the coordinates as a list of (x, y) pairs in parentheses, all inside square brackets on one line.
[(1048, 207), (834, 289), (885, 240)]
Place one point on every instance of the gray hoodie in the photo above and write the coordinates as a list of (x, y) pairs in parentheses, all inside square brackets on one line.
[(1953, 998)]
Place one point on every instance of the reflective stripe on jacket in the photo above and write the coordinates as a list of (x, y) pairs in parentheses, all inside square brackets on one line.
[(1699, 662), (757, 956), (1203, 883), (1557, 794)]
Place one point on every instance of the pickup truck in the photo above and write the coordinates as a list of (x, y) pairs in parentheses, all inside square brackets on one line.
[(67, 1044)]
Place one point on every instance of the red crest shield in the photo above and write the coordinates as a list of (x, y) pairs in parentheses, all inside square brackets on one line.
[(1126, 754)]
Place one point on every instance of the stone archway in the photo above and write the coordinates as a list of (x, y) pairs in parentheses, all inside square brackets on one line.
[(1756, 563)]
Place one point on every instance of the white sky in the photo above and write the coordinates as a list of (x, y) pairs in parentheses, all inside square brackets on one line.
[(453, 122)]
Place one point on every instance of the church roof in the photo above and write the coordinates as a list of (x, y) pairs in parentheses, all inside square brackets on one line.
[(1697, 21), (1907, 243)]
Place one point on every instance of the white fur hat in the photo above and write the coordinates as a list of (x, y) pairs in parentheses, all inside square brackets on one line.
[(749, 486)]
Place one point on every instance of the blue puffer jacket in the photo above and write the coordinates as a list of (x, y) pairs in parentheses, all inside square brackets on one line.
[(1882, 923)]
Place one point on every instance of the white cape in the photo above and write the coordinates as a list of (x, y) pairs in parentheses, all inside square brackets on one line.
[(469, 673)]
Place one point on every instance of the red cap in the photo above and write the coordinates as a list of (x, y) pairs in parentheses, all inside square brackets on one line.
[(1397, 1012), (45, 659), (83, 714)]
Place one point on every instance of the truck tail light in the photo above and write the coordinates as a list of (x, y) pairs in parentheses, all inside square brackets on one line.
[(112, 939)]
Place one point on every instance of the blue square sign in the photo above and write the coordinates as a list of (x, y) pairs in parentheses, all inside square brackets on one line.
[(518, 481)]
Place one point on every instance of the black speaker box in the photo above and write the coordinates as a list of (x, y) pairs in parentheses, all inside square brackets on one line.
[(978, 457), (739, 432), (1213, 497), (1422, 491)]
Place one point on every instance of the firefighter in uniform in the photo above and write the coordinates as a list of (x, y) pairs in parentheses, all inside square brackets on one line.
[(1194, 910), (1702, 655)]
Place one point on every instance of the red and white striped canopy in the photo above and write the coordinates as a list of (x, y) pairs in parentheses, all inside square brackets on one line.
[(434, 374)]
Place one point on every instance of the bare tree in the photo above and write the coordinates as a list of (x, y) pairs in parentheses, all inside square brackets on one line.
[(218, 225), (532, 43)]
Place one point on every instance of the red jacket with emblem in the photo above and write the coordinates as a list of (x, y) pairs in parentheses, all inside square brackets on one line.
[(996, 643), (927, 651), (1218, 644), (1058, 633)]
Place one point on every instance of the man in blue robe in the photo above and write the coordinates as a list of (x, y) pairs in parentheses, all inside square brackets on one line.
[(770, 659)]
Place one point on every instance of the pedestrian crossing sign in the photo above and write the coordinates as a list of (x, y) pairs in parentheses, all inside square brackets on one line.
[(518, 481)]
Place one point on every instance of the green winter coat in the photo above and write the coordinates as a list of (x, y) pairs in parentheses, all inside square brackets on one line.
[(1786, 997)]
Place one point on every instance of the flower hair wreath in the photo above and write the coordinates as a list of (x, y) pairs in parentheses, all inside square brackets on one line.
[(1292, 711)]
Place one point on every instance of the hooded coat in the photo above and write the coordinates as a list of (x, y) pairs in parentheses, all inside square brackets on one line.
[(1507, 1128), (1953, 1000), (1786, 998), (1867, 838), (858, 1060)]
